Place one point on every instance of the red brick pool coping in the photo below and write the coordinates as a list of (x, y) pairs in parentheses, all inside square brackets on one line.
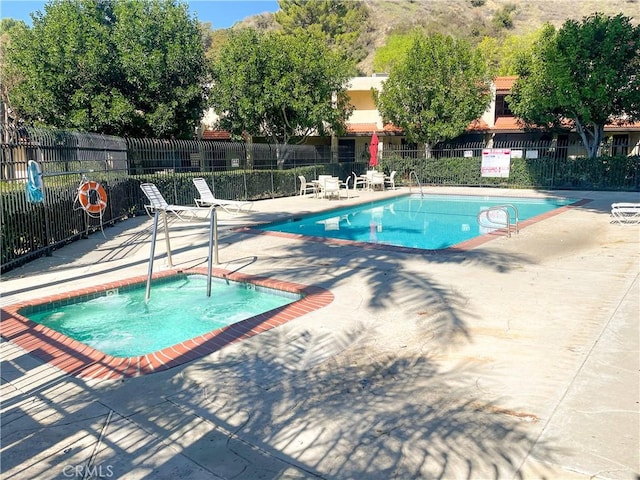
[(83, 361), (458, 247)]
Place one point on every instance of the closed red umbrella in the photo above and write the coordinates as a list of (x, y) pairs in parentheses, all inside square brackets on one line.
[(373, 151)]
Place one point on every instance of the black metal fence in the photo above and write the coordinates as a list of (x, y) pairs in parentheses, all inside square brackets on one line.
[(237, 171), (551, 149), (534, 164), (120, 165), (29, 229), (208, 156)]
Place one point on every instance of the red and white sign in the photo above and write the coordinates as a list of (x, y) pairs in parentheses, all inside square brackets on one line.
[(496, 162)]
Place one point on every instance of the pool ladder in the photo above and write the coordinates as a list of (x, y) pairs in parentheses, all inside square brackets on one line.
[(503, 220), (413, 172)]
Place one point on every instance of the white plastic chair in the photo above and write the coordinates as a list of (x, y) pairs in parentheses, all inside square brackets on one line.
[(320, 184), (390, 180), (345, 184), (331, 187), (376, 180), (306, 187), (358, 180)]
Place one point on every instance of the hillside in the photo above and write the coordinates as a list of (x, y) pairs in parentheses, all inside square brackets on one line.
[(461, 17)]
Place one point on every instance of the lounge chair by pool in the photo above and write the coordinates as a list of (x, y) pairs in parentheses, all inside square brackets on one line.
[(625, 212), (207, 198)]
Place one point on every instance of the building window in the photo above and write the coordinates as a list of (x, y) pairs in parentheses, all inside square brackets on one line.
[(620, 145), (502, 107)]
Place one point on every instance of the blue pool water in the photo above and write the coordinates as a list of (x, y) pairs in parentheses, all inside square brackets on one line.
[(122, 324), (427, 222)]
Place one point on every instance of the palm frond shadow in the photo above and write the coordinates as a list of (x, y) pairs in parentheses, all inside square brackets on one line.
[(393, 285), (358, 413)]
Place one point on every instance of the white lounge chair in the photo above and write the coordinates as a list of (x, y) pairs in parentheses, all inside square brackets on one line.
[(207, 198), (158, 203), (625, 212)]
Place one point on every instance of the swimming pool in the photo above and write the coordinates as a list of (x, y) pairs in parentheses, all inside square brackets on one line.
[(124, 347), (427, 222)]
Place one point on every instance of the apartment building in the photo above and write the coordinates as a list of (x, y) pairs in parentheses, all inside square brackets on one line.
[(497, 127)]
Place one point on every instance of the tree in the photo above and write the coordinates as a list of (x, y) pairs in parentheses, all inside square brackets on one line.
[(213, 40), (8, 78), (395, 49), (160, 53), (436, 90), (583, 76), (282, 87), (344, 24), (504, 57), (503, 19), (122, 67)]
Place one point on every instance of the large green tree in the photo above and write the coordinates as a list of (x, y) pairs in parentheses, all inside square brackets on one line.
[(344, 24), (282, 87), (123, 67), (436, 90), (585, 75)]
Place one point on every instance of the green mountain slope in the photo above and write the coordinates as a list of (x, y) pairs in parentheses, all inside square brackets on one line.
[(461, 17)]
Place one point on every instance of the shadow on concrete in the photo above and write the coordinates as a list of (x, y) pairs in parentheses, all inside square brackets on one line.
[(275, 408)]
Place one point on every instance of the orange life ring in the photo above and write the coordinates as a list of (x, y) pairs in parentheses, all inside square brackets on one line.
[(92, 197)]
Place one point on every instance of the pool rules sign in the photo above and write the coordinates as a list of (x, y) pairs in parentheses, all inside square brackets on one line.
[(495, 162)]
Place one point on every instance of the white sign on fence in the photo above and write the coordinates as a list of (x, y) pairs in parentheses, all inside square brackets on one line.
[(495, 162)]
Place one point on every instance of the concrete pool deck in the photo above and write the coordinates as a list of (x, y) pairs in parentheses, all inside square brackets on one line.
[(517, 358)]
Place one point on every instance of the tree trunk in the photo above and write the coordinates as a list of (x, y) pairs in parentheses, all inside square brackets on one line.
[(428, 148), (279, 159), (591, 138), (282, 154)]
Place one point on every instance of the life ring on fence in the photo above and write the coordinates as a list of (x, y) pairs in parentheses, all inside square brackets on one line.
[(35, 185), (92, 197)]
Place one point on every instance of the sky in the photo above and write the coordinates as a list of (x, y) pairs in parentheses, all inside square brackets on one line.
[(220, 13)]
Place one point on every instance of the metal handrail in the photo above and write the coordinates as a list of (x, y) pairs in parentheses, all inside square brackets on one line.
[(502, 208), (213, 248), (417, 181), (515, 214)]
